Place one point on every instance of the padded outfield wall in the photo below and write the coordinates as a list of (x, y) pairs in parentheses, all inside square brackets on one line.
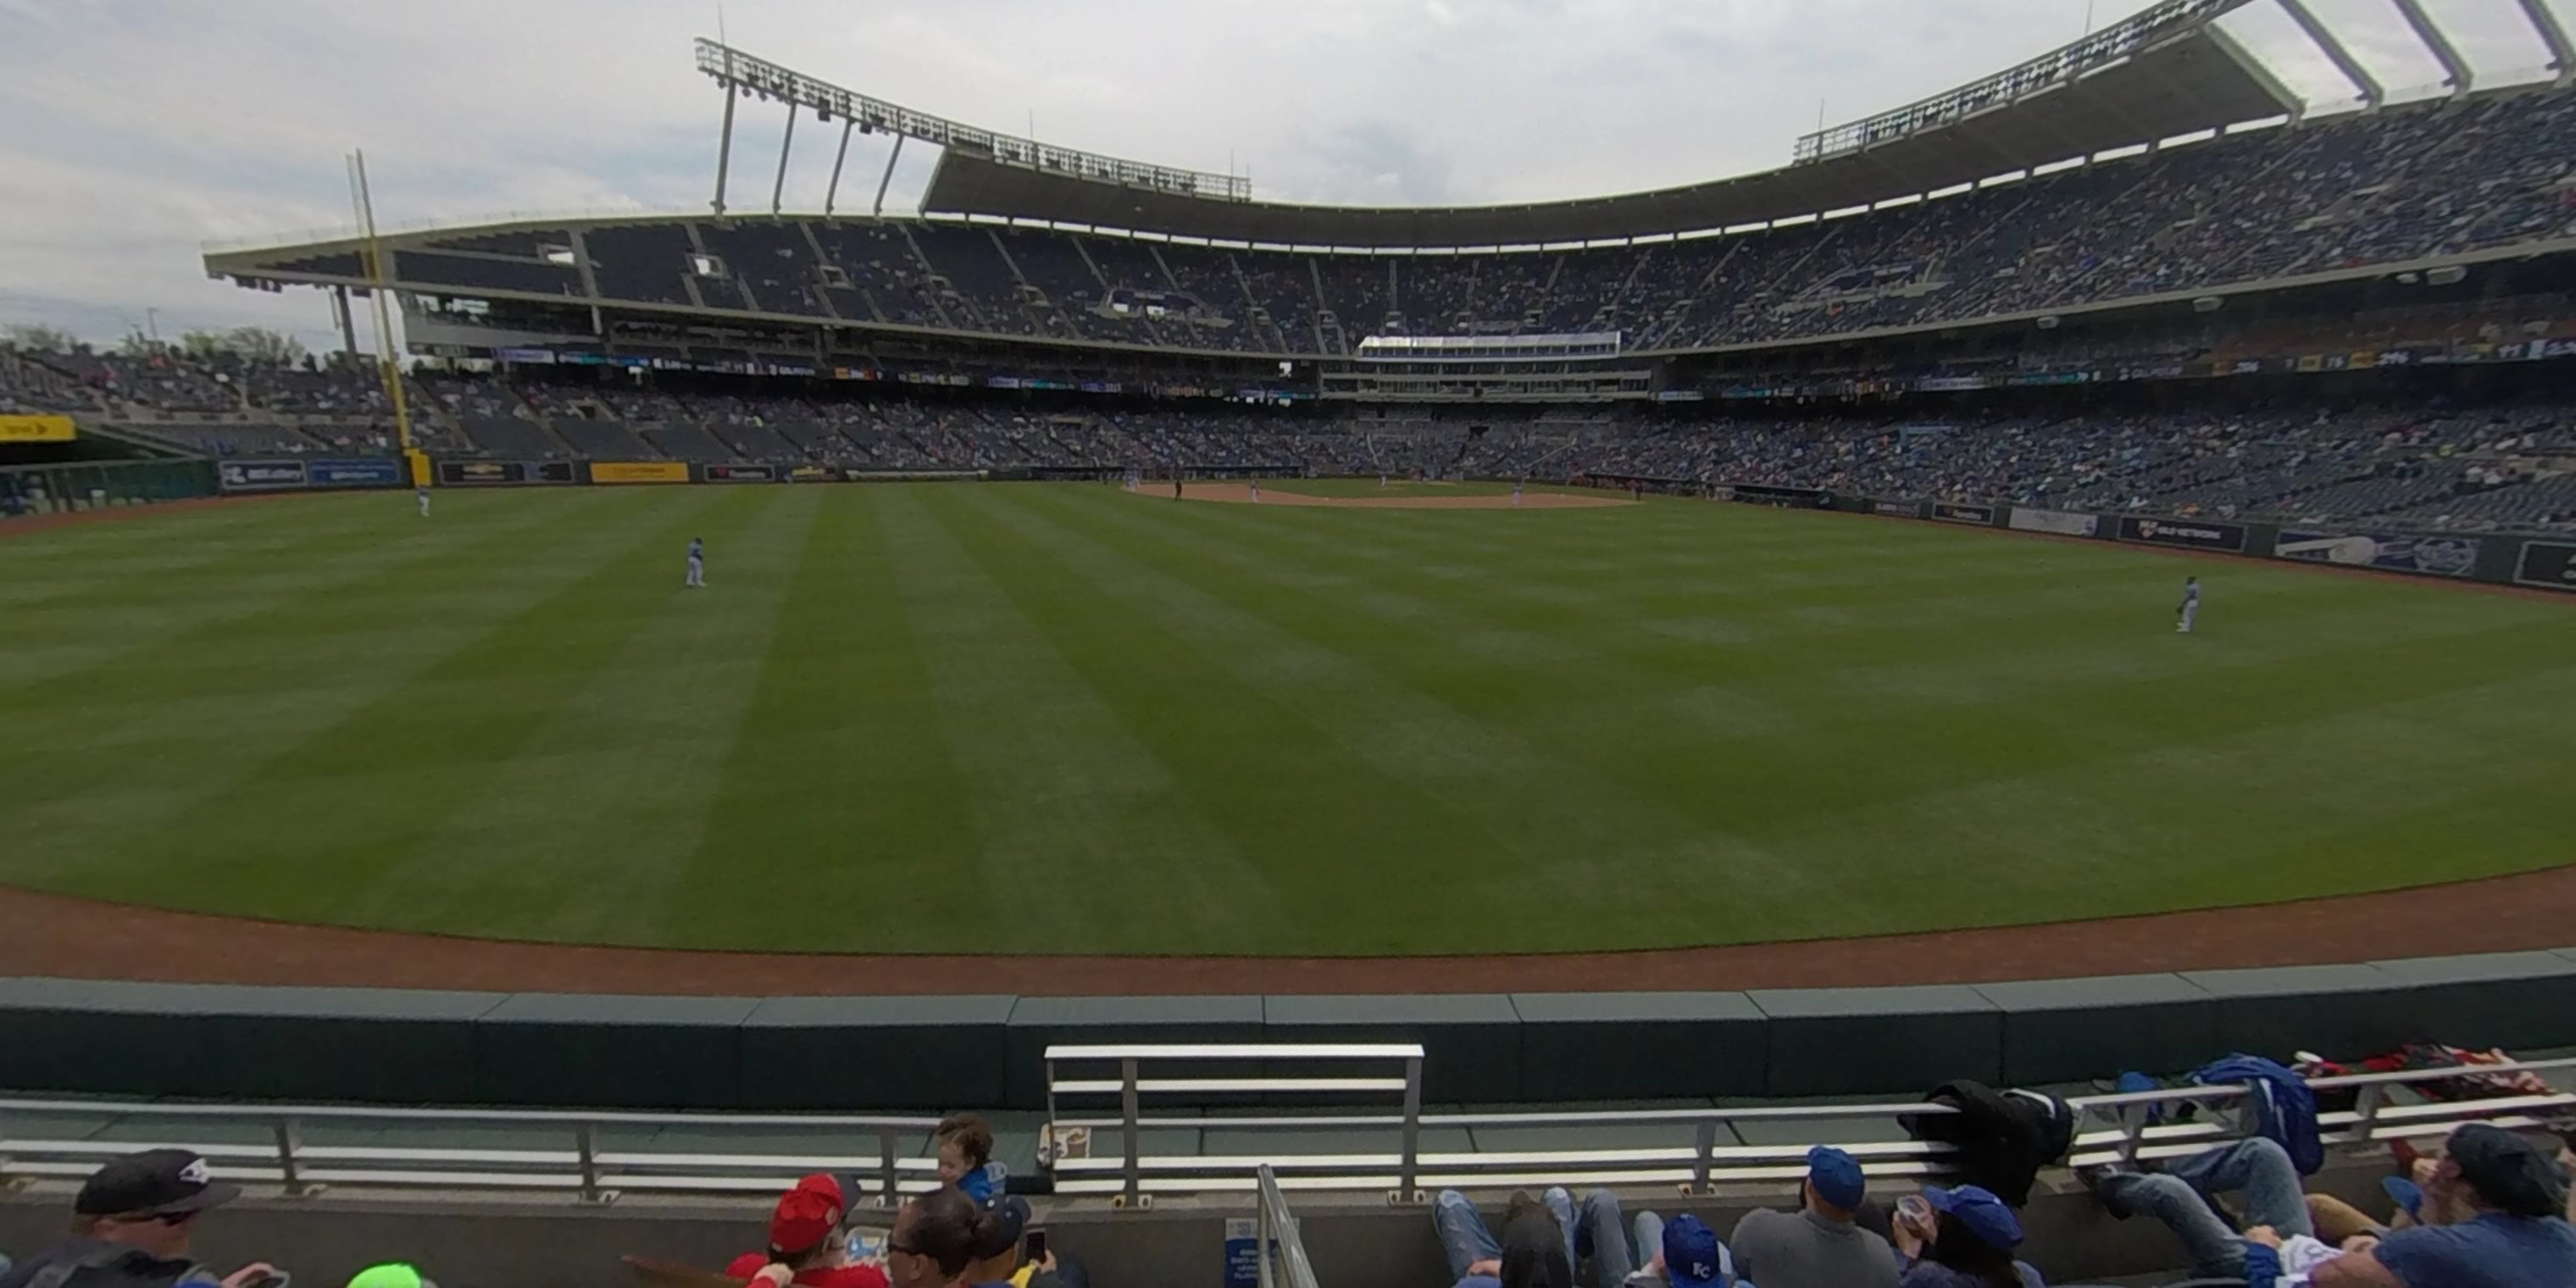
[(940, 1053)]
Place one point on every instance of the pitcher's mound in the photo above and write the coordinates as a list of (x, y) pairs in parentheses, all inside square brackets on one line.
[(1242, 493)]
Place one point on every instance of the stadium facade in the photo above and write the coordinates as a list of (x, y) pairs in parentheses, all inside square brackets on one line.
[(2154, 174)]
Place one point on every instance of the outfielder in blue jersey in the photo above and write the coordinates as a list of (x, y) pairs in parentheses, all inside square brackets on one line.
[(697, 561)]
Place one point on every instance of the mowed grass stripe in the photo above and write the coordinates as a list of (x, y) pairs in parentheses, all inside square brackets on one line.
[(599, 811), (336, 547), (1074, 816), (1811, 750), (1504, 802), (236, 685), (1160, 726), (301, 827), (839, 797)]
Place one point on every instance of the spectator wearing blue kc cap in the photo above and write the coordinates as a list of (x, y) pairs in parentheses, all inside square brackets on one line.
[(1819, 1245), (1960, 1238)]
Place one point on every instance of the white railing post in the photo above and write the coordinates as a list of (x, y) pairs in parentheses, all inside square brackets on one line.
[(586, 1142), (287, 1165), (1410, 1168), (886, 1190), (1703, 1155), (1127, 1113)]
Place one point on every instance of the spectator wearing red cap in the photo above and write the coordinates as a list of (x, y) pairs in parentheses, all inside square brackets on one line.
[(804, 1246)]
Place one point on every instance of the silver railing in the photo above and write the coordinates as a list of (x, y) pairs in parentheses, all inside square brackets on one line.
[(1279, 1247), (1246, 1108), (580, 1153)]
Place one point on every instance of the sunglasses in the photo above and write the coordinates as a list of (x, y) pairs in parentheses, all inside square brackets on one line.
[(906, 1249)]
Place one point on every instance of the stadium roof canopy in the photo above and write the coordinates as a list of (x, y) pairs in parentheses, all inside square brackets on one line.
[(2164, 73)]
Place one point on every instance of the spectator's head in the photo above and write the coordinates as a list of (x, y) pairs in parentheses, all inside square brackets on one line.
[(149, 1200), (1534, 1247), (801, 1226), (965, 1144), (1973, 1233), (2487, 1168), (934, 1239), (1834, 1187), (997, 1241), (392, 1274), (1693, 1258)]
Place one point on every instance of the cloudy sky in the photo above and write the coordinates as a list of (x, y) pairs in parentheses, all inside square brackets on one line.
[(133, 130)]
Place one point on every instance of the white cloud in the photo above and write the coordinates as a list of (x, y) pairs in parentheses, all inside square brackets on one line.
[(142, 126)]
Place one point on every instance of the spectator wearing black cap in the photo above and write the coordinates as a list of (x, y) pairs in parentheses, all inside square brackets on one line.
[(940, 1236), (1818, 1246), (2499, 1203), (131, 1226)]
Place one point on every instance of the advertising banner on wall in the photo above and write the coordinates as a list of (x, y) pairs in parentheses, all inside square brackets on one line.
[(478, 473), (363, 471), (2444, 556), (2189, 533), (639, 471), (2547, 563), (2064, 523), (742, 474), (1982, 515), (37, 429), (259, 476), (1897, 509)]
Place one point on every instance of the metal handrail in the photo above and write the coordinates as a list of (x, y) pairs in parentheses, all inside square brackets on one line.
[(1704, 1150), (1279, 1249)]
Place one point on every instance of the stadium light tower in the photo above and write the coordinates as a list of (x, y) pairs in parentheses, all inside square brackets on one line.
[(738, 73)]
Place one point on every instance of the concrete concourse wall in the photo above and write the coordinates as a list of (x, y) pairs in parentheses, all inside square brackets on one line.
[(226, 1042)]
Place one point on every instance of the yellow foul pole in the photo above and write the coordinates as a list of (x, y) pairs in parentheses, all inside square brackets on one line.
[(387, 367)]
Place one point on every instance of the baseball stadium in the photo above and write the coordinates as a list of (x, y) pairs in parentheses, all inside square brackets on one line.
[(2005, 686)]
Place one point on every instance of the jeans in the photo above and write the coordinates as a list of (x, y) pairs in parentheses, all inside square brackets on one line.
[(1593, 1230), (2256, 1168)]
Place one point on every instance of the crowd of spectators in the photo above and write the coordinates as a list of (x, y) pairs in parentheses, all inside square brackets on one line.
[(2487, 1206), (2326, 193), (2412, 462)]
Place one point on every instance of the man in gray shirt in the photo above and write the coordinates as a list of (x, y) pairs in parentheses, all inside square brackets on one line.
[(1817, 1246)]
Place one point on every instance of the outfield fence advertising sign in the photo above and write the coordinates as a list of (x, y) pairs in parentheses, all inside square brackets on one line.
[(479, 473), (742, 473), (260, 476), (2547, 563), (2065, 523), (371, 471), (2441, 556), (2190, 533), (639, 471), (1982, 515), (37, 429), (812, 474), (1897, 509)]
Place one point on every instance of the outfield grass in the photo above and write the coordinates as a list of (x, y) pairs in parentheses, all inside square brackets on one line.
[(1063, 718)]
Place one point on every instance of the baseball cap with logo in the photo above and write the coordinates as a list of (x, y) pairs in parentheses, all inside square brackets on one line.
[(159, 1182), (1693, 1258), (806, 1215), (1835, 1177), (1977, 1208)]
